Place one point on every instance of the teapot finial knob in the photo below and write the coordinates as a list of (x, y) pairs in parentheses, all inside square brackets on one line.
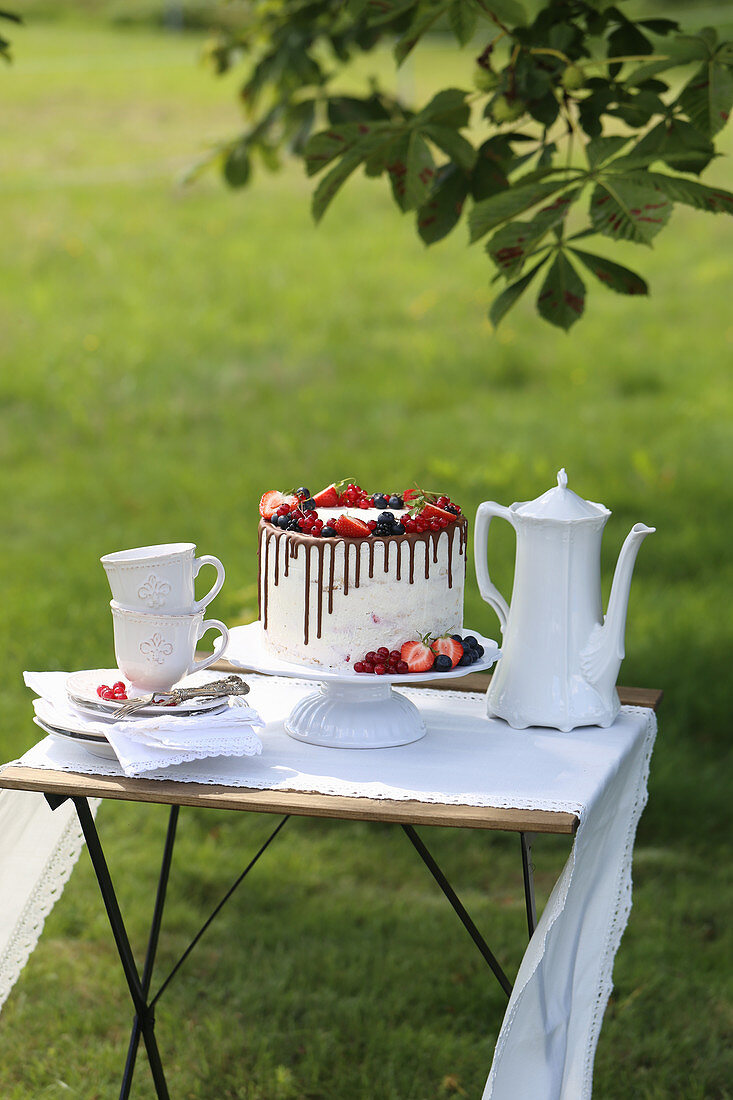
[(562, 479)]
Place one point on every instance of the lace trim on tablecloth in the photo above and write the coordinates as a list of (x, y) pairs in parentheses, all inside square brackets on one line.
[(46, 892), (622, 908), (617, 924)]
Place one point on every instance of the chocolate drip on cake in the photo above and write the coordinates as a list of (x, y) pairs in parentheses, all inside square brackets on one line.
[(330, 579), (450, 531), (307, 592), (293, 541), (320, 594)]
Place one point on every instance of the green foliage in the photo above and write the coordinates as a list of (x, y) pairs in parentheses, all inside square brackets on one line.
[(583, 80), (10, 17)]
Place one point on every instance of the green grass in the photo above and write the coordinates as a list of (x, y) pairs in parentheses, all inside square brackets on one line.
[(167, 355)]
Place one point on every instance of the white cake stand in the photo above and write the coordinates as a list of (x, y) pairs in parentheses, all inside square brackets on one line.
[(350, 710)]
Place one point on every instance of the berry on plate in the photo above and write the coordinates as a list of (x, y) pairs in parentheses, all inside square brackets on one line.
[(418, 656), (448, 647), (351, 527), (118, 691)]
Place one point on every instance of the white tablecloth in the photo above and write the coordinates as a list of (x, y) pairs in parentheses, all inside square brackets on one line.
[(547, 1042)]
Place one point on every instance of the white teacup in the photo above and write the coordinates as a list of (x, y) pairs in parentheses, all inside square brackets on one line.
[(156, 651), (160, 578)]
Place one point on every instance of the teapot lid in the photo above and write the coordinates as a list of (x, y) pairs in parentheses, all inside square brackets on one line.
[(561, 503)]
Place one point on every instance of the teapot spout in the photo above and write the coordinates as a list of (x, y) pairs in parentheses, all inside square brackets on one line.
[(602, 657)]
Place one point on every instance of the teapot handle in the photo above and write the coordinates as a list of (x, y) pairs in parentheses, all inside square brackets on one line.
[(487, 588)]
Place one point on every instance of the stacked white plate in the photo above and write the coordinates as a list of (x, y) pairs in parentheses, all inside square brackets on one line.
[(83, 720)]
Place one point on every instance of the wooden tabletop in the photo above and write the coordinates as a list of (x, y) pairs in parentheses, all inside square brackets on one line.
[(311, 803)]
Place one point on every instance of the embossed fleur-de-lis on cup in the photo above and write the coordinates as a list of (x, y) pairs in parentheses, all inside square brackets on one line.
[(160, 577), (153, 593), (156, 650)]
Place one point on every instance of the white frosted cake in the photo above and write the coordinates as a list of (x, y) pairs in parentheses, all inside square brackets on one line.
[(340, 574)]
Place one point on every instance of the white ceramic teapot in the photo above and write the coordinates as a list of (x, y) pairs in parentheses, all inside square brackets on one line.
[(560, 656)]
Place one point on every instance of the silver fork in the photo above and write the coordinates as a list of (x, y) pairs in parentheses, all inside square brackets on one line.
[(232, 685)]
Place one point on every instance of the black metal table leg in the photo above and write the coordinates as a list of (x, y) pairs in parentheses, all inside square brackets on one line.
[(143, 1010), (528, 875), (151, 949), (260, 852), (458, 906)]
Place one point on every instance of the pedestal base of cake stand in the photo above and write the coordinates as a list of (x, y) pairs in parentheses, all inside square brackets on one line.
[(350, 710), (355, 716)]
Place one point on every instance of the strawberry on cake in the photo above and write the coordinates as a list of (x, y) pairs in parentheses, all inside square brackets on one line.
[(348, 578)]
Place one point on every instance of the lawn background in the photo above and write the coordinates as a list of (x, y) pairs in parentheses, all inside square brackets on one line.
[(169, 353)]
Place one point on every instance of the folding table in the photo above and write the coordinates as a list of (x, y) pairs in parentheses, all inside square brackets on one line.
[(58, 786)]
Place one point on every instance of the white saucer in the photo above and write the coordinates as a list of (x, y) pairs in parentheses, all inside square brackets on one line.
[(81, 688), (350, 710)]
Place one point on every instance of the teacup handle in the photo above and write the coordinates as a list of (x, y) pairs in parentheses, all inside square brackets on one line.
[(207, 559), (206, 625), (486, 586)]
